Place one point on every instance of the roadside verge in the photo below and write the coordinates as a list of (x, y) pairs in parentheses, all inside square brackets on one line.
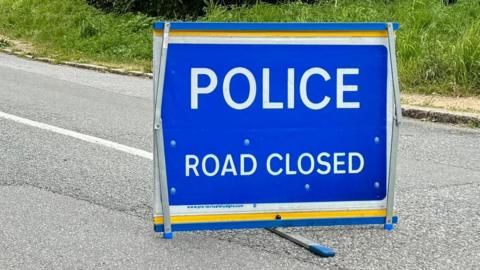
[(442, 116)]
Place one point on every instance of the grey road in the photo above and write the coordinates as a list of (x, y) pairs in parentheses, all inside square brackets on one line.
[(70, 204)]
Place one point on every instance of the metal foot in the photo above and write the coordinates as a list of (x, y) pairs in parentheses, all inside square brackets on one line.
[(313, 247)]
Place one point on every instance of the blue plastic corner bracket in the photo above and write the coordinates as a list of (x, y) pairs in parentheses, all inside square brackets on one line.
[(168, 235), (388, 227)]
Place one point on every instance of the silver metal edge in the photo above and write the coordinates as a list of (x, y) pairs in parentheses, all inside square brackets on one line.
[(160, 170), (157, 206), (397, 120)]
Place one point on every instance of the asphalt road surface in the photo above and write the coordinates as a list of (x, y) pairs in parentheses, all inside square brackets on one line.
[(70, 204)]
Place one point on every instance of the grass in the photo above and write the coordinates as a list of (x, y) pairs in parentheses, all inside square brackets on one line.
[(438, 46), (72, 30)]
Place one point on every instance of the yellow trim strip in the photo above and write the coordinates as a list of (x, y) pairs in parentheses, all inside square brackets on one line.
[(377, 33), (272, 216)]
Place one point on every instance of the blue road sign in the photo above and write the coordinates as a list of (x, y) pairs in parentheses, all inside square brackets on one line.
[(272, 127)]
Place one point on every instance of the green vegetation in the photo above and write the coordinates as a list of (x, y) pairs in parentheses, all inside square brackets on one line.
[(73, 30), (180, 9), (170, 8), (438, 45)]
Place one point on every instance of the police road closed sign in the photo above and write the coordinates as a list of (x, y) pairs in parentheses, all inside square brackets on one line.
[(270, 124)]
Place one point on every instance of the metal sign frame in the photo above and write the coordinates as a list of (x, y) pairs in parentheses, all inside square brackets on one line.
[(169, 218)]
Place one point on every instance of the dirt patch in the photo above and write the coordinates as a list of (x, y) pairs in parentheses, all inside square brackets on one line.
[(461, 104), (4, 43), (16, 45)]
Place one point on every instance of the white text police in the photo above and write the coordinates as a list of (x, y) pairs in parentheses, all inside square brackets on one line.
[(197, 92)]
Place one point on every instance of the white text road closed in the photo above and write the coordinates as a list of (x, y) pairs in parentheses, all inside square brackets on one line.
[(276, 164)]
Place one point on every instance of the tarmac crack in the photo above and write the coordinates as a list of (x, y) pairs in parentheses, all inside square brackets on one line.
[(440, 187), (447, 164), (128, 211), (454, 166)]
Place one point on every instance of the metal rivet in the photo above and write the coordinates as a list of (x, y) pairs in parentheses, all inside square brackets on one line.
[(307, 186), (246, 142), (376, 139), (173, 191), (376, 185), (173, 143)]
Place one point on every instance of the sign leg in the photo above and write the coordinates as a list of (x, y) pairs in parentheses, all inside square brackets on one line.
[(160, 172), (397, 115), (313, 247)]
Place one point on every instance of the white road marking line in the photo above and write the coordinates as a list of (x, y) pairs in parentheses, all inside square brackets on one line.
[(80, 136)]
